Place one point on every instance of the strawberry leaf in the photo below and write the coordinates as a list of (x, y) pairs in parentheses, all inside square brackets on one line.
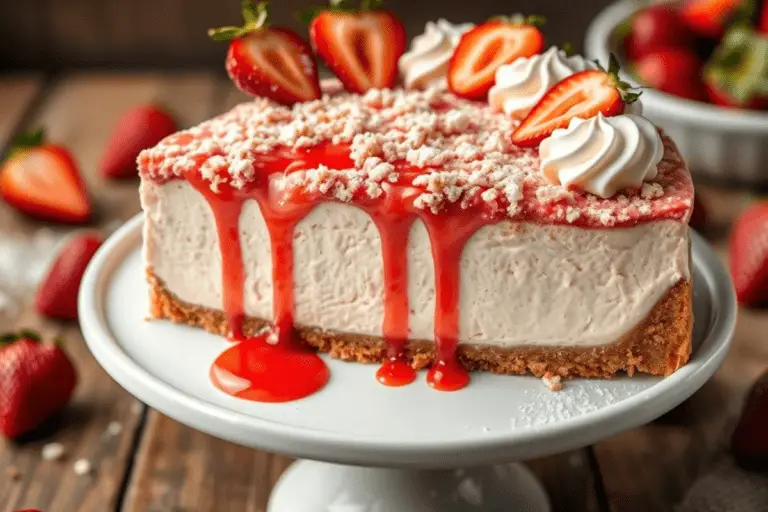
[(226, 33), (24, 334), (371, 5), (256, 18), (26, 140), (535, 20), (30, 335), (567, 48)]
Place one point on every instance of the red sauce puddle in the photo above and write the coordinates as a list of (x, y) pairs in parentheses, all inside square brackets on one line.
[(276, 366)]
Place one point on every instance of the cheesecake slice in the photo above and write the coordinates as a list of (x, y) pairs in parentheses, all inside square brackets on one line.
[(404, 226)]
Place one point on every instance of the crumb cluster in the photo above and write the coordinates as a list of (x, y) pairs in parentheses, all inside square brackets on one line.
[(449, 152)]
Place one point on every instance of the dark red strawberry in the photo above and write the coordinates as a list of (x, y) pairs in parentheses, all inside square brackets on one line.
[(269, 61), (485, 48), (361, 46), (583, 95), (737, 74), (42, 180), (139, 128), (57, 294), (749, 443), (36, 380), (709, 17), (762, 19), (675, 71), (749, 255), (655, 28)]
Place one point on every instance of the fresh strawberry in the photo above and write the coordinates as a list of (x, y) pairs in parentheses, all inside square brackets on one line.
[(675, 71), (749, 443), (361, 46), (137, 129), (42, 180), (654, 28), (57, 295), (583, 95), (485, 48), (269, 61), (36, 380), (737, 73), (749, 255), (709, 18)]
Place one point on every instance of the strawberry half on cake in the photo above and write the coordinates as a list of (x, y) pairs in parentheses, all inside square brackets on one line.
[(406, 227)]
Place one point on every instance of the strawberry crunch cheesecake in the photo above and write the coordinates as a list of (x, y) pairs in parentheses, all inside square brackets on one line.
[(507, 210)]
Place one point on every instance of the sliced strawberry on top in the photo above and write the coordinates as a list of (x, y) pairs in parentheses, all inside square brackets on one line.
[(269, 61), (583, 95), (42, 180), (361, 46), (749, 256), (487, 47)]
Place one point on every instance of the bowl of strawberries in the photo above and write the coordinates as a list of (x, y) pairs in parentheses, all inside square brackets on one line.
[(705, 66)]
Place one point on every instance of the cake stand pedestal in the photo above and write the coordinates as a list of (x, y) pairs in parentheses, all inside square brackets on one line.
[(387, 449)]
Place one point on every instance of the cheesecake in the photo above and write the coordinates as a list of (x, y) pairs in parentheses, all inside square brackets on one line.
[(403, 227)]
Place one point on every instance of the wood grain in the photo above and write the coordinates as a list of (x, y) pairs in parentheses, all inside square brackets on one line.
[(79, 112)]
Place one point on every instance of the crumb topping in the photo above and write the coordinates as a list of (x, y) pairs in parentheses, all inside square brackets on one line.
[(446, 152)]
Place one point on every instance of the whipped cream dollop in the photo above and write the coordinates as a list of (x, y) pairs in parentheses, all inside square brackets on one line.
[(602, 155), (426, 63), (522, 83)]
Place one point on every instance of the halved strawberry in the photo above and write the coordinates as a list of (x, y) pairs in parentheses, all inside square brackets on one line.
[(583, 95), (749, 256), (361, 46), (737, 73), (269, 61), (487, 47), (42, 181)]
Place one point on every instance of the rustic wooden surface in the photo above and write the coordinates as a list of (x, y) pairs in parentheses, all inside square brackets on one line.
[(156, 464), (50, 34)]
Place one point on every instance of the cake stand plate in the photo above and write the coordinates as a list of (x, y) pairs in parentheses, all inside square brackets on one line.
[(356, 421)]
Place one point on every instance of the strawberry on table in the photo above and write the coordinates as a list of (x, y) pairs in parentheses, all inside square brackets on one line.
[(269, 61), (582, 95), (654, 28), (137, 129), (360, 45), (57, 294), (709, 17), (485, 48), (675, 71), (36, 380), (749, 255), (737, 74), (42, 180)]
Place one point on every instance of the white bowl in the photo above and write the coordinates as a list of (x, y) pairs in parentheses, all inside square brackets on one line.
[(719, 143)]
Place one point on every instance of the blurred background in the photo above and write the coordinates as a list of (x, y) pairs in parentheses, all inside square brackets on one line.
[(62, 34)]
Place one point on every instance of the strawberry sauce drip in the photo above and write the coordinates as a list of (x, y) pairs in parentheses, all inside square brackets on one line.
[(275, 365)]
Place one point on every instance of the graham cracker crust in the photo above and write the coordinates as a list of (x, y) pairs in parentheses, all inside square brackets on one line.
[(659, 345)]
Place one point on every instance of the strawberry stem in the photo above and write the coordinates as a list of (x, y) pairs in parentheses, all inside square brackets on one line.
[(256, 18), (567, 48), (535, 20), (307, 15), (629, 93)]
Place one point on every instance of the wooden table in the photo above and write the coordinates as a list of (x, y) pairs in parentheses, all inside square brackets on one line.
[(156, 464)]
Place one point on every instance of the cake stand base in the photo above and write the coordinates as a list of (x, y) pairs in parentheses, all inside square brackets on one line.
[(309, 486)]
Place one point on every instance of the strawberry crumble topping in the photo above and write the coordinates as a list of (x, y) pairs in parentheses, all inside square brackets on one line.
[(439, 151)]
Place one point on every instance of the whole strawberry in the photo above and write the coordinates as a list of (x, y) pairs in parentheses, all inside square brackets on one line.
[(56, 296), (749, 256), (139, 128), (36, 380)]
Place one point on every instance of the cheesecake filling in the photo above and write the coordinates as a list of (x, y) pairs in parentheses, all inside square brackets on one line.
[(520, 283)]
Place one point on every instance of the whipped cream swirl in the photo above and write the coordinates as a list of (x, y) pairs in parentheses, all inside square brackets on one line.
[(426, 63), (602, 155), (522, 83)]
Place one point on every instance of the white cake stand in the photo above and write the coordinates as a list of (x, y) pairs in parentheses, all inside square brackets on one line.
[(386, 449)]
